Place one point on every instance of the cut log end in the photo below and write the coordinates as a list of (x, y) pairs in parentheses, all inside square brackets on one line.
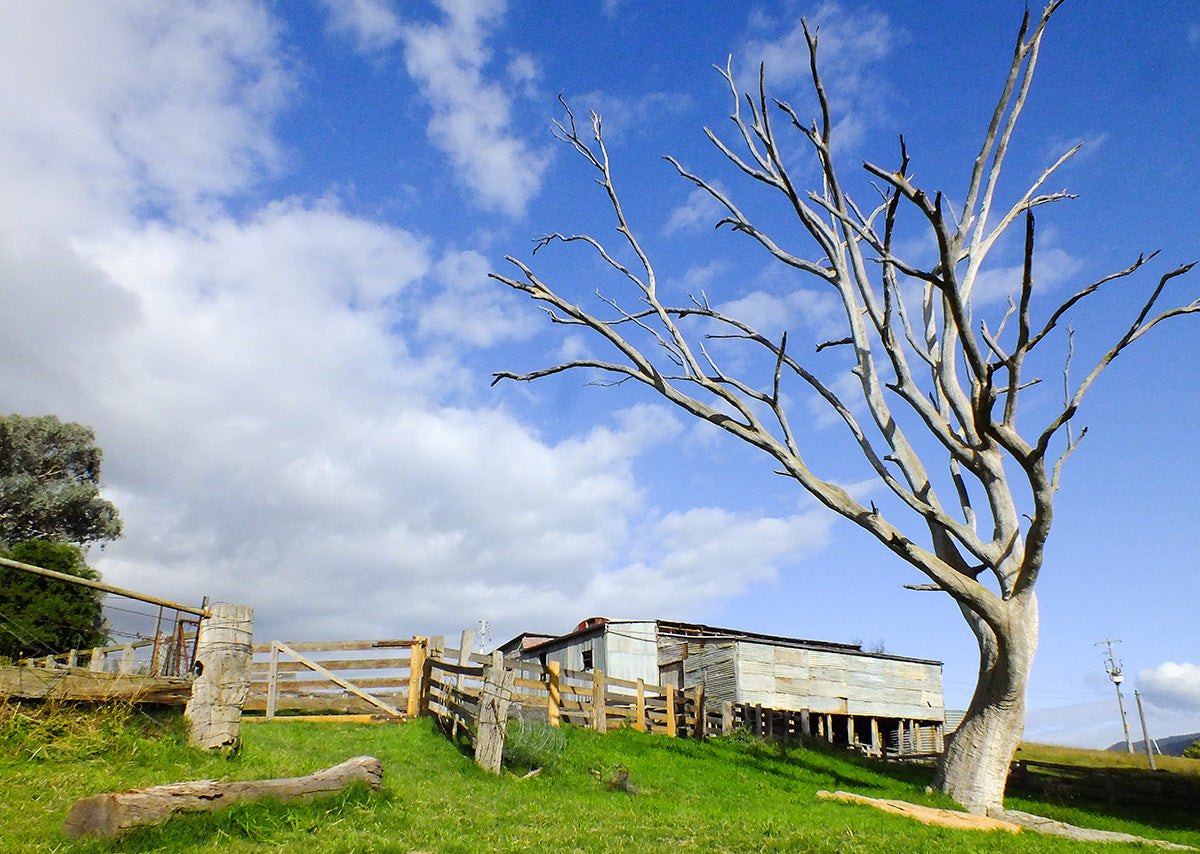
[(111, 814)]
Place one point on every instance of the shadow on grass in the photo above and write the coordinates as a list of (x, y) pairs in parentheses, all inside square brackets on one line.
[(809, 765)]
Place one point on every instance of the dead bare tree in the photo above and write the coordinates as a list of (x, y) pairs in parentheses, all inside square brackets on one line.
[(943, 369)]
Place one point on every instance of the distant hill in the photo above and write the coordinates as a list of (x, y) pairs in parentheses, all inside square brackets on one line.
[(1172, 745)]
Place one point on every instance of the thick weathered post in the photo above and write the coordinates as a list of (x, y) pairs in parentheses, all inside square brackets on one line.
[(493, 714), (726, 718), (599, 709), (639, 722), (416, 669), (671, 711), (96, 664), (223, 653), (554, 697), (701, 723)]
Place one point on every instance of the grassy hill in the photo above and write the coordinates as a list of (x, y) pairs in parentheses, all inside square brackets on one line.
[(720, 796)]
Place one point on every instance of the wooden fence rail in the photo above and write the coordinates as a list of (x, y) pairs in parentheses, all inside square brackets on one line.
[(380, 677), (164, 655)]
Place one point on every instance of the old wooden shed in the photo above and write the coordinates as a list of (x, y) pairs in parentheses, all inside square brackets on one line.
[(874, 700)]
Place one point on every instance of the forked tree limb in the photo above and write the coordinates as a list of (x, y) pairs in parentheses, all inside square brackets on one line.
[(111, 814)]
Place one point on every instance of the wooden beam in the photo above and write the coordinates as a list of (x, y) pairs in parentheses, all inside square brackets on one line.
[(36, 683), (97, 585)]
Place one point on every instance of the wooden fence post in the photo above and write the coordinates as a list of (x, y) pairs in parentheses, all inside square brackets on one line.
[(599, 703), (273, 681), (126, 665), (554, 697), (493, 714), (416, 668), (96, 665), (726, 718), (701, 722), (639, 722), (223, 653), (671, 711), (805, 723), (466, 643)]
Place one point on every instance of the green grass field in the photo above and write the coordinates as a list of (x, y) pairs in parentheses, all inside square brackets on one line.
[(729, 795)]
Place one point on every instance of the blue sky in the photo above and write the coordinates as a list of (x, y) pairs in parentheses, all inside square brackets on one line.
[(249, 244)]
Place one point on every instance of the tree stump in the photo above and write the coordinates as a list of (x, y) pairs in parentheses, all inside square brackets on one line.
[(111, 814)]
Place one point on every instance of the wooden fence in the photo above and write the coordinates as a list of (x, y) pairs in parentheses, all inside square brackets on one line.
[(163, 655), (371, 677)]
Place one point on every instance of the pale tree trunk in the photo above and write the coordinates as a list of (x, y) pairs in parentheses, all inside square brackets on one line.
[(974, 768)]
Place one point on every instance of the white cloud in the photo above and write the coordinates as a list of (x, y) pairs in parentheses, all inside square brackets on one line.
[(624, 118), (372, 23), (472, 120), (1172, 686), (849, 46), (704, 554), (1051, 267), (699, 213), (105, 108), (469, 308), (280, 425), (773, 313)]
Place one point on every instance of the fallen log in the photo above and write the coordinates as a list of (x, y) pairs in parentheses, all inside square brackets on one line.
[(112, 813), (925, 815), (1050, 827)]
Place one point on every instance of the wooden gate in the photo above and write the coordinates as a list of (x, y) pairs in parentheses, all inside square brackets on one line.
[(371, 677)]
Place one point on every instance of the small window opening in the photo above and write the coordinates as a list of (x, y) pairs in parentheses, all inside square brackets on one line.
[(587, 659)]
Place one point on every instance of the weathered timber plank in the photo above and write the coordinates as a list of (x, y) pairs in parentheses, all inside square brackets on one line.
[(332, 646), (35, 683), (469, 670), (260, 667), (400, 684)]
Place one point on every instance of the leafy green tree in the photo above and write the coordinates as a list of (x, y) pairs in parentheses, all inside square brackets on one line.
[(50, 483), (40, 615), (1193, 752)]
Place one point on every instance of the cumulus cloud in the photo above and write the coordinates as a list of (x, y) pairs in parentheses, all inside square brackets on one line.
[(699, 213), (279, 383), (849, 46), (1172, 685), (89, 134), (704, 554), (772, 313), (469, 308), (472, 121), (1051, 267), (372, 23)]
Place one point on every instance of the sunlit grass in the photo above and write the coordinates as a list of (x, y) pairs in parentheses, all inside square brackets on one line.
[(720, 796)]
